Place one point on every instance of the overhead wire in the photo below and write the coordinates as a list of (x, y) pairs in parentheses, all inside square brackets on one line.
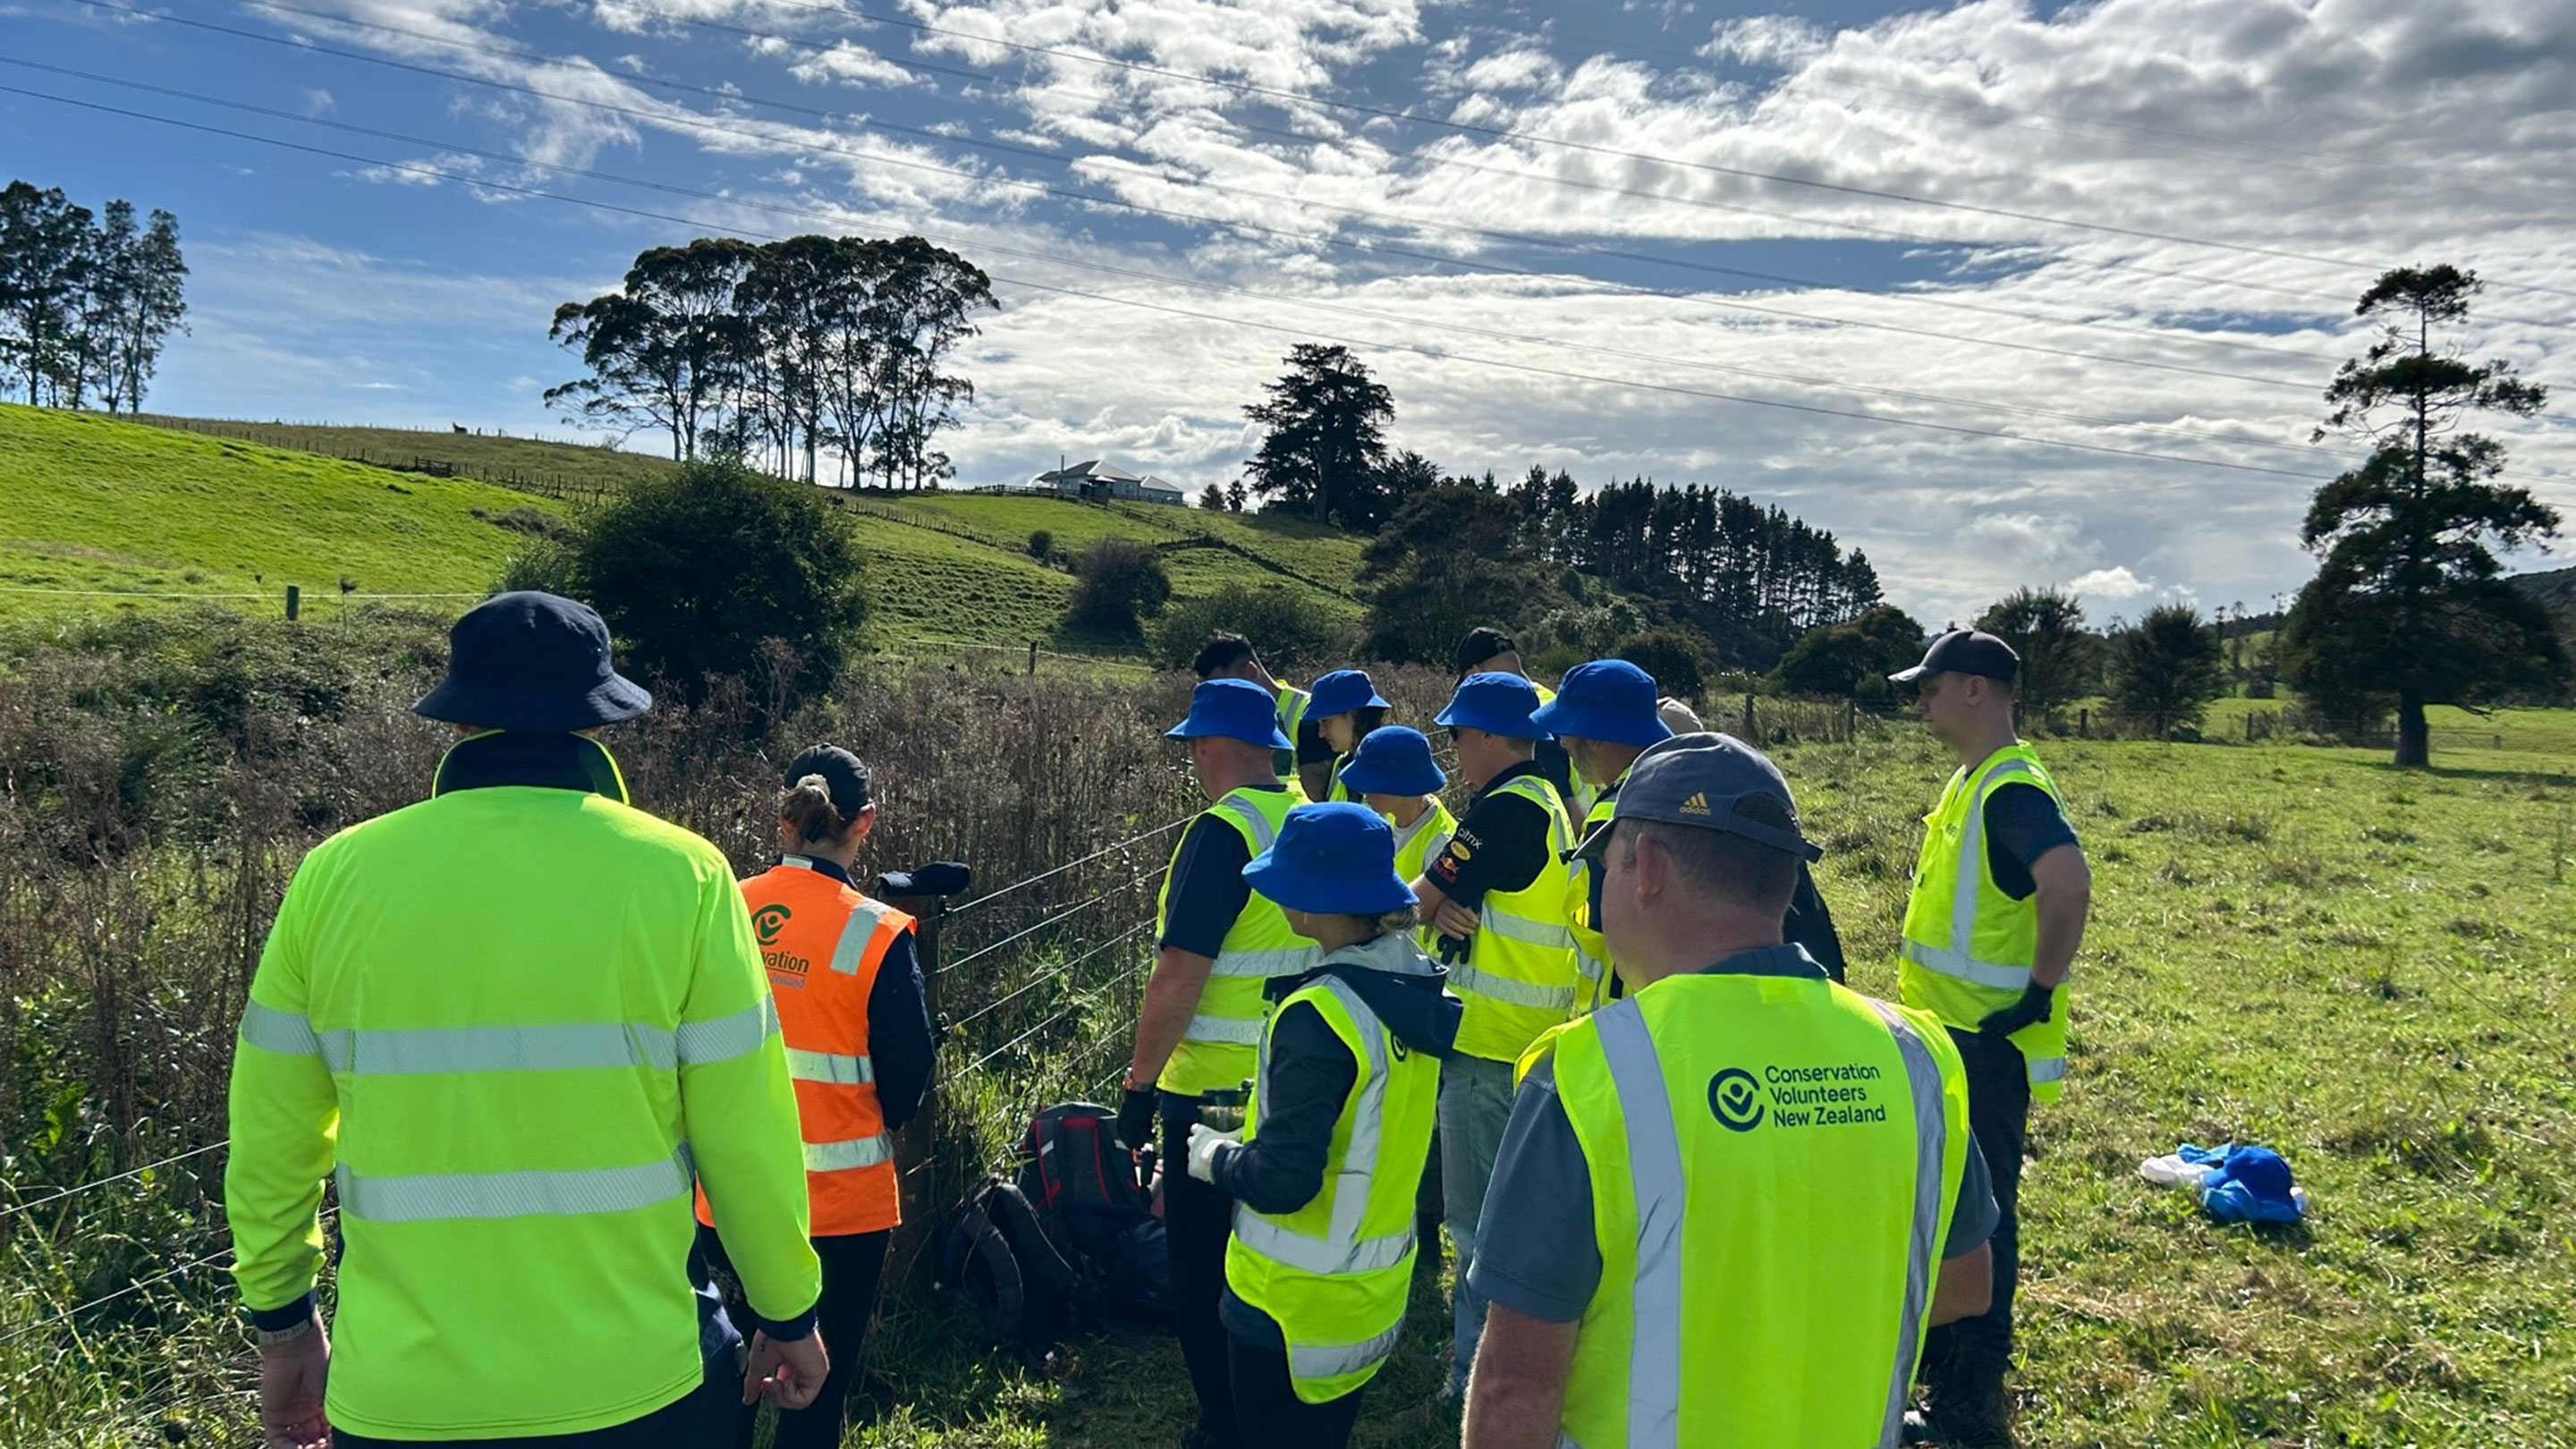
[(2342, 300), (414, 168), (1390, 220), (1658, 359), (1281, 94)]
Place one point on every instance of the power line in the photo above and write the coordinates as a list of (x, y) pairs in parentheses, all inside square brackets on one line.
[(2342, 300), (1657, 359), (1390, 220), (1275, 93), (414, 168)]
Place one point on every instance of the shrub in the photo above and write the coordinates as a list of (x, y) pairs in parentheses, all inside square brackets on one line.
[(1839, 659), (1670, 655), (1041, 545), (1122, 582), (1293, 630), (696, 569)]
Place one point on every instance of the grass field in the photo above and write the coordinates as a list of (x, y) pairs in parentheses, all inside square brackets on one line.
[(2366, 969), (487, 456), (89, 504)]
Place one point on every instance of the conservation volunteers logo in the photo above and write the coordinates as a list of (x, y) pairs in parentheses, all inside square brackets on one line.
[(768, 921), (1839, 1094)]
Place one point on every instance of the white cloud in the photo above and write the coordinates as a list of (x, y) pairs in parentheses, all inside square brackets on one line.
[(852, 65)]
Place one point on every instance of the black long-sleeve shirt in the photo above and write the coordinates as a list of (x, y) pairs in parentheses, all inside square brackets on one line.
[(901, 1044)]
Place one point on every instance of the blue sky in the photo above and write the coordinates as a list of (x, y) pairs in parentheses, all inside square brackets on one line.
[(2156, 212)]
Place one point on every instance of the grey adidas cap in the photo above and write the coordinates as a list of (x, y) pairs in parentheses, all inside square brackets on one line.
[(1700, 780)]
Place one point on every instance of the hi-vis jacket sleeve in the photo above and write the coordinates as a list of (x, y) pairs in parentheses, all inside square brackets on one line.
[(285, 1121), (740, 1108)]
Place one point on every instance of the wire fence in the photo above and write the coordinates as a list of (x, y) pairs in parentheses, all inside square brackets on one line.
[(1012, 1041)]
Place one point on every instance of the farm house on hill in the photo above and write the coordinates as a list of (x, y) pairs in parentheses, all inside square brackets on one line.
[(1102, 482)]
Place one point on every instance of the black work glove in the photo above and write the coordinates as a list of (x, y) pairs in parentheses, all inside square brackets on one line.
[(1137, 1113), (2029, 1011), (938, 878), (1453, 949)]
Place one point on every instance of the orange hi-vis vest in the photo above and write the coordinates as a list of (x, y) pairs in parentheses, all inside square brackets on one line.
[(822, 943)]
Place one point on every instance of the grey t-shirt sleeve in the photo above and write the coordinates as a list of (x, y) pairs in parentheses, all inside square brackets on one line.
[(1974, 1215), (1536, 1253)]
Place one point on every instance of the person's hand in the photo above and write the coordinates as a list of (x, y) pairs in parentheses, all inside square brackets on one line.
[(2029, 1011), (1205, 1143), (1136, 1114), (788, 1374), (292, 1374), (1453, 919)]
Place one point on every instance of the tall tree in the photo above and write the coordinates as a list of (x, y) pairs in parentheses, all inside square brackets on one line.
[(2164, 669), (2407, 602), (46, 255), (925, 300), (666, 347), (2046, 628), (1327, 440)]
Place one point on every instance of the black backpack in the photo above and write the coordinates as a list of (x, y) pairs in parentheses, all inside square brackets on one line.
[(1083, 1185), (993, 1254)]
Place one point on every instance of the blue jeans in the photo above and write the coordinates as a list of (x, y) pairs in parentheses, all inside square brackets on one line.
[(1475, 1106)]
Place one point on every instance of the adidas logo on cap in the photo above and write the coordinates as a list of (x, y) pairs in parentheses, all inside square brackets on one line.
[(1697, 804)]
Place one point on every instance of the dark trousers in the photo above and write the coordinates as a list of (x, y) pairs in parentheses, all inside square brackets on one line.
[(1268, 1409), (1197, 1220), (699, 1419), (1978, 1350), (853, 1265)]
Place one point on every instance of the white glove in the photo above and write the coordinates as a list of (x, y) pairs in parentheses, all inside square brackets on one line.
[(1205, 1143)]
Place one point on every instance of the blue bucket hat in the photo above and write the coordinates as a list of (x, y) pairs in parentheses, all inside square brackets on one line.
[(1393, 760), (1498, 704), (1232, 709), (1336, 859), (1610, 700), (534, 662), (1340, 692)]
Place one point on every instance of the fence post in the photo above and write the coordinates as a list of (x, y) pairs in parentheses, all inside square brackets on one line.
[(927, 1194), (1851, 721), (294, 601), (2084, 724), (1749, 737), (1033, 658)]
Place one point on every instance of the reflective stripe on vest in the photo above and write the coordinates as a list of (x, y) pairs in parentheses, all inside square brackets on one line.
[(552, 1047), (1343, 1250), (1325, 1361), (440, 1197), (837, 1068), (844, 1156), (1931, 1144), (1655, 1171), (1466, 980), (1227, 1030)]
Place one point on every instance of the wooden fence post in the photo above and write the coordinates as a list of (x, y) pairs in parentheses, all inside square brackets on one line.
[(1851, 721), (1749, 737), (927, 1192), (1033, 659), (294, 601), (2084, 724)]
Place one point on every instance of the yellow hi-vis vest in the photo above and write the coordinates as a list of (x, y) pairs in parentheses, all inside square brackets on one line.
[(1773, 1161), (1336, 1273), (1518, 979), (1591, 952), (1416, 845), (1968, 946), (1292, 713), (1216, 1053)]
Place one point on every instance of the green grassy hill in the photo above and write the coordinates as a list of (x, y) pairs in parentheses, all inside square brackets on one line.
[(108, 508), (90, 504)]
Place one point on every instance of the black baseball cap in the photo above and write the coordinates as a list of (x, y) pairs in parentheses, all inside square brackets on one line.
[(535, 662), (1965, 651), (1704, 781), (842, 773), (1482, 643)]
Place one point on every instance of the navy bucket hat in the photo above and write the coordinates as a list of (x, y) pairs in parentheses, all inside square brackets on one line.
[(1336, 860), (533, 662)]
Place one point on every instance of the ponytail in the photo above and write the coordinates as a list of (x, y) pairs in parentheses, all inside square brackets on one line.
[(807, 809)]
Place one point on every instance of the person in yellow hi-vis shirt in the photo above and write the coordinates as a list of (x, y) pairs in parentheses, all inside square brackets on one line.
[(1219, 946), (1730, 1204), (512, 1024), (2001, 892)]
